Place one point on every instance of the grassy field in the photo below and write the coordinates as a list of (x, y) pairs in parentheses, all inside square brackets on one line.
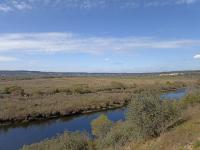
[(183, 134), (33, 99), (183, 137)]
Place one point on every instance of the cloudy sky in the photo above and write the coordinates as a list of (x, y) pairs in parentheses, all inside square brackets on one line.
[(100, 35)]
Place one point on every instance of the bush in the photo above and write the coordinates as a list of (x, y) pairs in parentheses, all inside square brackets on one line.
[(196, 145), (40, 93), (75, 141), (15, 90), (149, 115), (117, 85), (118, 136), (171, 112), (191, 99), (62, 90), (81, 89), (68, 141), (169, 83), (101, 126)]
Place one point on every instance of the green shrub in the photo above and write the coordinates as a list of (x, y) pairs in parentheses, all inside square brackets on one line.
[(171, 113), (198, 82), (118, 136), (169, 83), (62, 90), (55, 91), (68, 141), (191, 99), (117, 85), (81, 89), (67, 91), (76, 141), (196, 145), (101, 126), (14, 90), (40, 93), (149, 115)]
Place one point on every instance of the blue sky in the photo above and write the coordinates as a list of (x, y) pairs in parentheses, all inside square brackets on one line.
[(100, 36)]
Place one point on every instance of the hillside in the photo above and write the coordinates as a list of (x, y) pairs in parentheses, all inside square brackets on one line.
[(185, 136)]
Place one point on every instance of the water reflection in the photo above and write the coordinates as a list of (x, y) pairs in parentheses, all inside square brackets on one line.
[(14, 137)]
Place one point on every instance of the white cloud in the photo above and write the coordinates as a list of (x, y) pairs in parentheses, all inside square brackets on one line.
[(7, 59), (197, 56), (12, 5), (21, 5), (9, 5), (186, 1), (67, 42), (87, 4), (5, 8)]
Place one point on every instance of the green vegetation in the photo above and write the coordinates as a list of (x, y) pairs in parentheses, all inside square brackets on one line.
[(196, 145), (148, 118), (191, 99), (119, 135), (101, 126), (14, 90), (184, 136), (118, 85), (36, 99), (67, 141)]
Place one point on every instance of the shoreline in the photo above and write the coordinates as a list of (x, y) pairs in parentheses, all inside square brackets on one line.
[(29, 118), (45, 117)]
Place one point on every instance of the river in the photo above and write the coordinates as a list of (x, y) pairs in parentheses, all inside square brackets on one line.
[(14, 137)]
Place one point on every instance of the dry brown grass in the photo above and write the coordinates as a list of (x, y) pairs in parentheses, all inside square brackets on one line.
[(183, 137), (57, 103), (92, 82), (102, 94)]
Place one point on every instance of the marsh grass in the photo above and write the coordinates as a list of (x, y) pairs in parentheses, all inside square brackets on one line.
[(147, 118), (41, 98), (67, 141), (181, 137)]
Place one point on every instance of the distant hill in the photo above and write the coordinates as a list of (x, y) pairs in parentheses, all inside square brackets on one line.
[(38, 74)]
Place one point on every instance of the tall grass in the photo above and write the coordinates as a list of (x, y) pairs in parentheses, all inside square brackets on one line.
[(147, 118), (67, 141)]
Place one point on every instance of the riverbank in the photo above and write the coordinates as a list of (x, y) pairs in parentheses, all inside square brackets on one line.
[(181, 134), (185, 136), (68, 113), (40, 130), (21, 103), (34, 132)]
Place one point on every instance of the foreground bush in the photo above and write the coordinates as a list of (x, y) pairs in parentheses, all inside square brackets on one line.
[(68, 141), (147, 117), (118, 136), (107, 134), (101, 126), (150, 116), (191, 99)]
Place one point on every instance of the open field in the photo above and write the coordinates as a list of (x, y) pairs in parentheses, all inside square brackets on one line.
[(35, 99), (183, 137), (183, 134)]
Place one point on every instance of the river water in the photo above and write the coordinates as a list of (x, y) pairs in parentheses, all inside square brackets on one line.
[(13, 138)]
